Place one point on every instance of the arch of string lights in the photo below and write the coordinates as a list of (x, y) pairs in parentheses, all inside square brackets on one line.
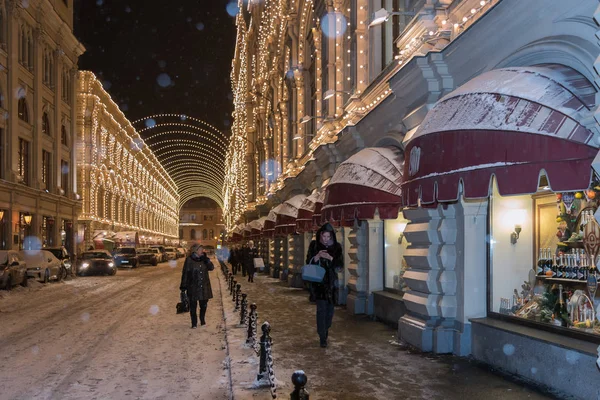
[(192, 151)]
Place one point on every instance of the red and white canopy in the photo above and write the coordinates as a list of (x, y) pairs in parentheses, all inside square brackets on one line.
[(369, 180), (256, 226), (513, 124), (269, 225), (287, 214), (305, 221)]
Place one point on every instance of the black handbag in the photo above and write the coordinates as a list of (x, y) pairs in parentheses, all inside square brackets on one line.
[(184, 305)]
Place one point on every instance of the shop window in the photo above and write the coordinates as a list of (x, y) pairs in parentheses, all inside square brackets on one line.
[(538, 266), (204, 234), (211, 234), (395, 248), (192, 234)]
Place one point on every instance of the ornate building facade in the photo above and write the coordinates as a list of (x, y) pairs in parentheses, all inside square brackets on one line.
[(39, 200), (201, 221), (125, 190), (402, 123)]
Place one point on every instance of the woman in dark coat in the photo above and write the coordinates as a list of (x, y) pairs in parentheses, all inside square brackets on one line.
[(196, 281), (326, 252)]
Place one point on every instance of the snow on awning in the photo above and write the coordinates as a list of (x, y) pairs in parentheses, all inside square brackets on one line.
[(256, 226), (247, 231), (269, 226), (287, 214), (367, 182), (305, 221), (238, 232), (514, 124)]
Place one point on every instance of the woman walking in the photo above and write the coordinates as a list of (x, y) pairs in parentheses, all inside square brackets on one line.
[(196, 282), (326, 252)]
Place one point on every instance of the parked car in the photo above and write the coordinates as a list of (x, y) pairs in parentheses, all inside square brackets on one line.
[(180, 252), (161, 250), (148, 255), (64, 257), (13, 269), (96, 262), (210, 250), (126, 257), (42, 265), (171, 253)]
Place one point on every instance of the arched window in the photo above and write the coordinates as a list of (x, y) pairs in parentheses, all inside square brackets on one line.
[(45, 124), (192, 234), (23, 112), (204, 234), (211, 234)]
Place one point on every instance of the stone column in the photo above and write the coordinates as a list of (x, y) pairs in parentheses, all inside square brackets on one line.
[(375, 259), (431, 278), (357, 268)]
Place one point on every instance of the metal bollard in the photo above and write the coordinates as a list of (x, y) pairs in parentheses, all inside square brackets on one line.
[(232, 290), (243, 308), (229, 280), (252, 316), (299, 380), (238, 295), (264, 339)]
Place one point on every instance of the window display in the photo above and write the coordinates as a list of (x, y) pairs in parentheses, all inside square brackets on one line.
[(542, 252), (395, 246)]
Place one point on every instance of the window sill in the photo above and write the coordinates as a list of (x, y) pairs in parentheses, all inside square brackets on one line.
[(552, 338)]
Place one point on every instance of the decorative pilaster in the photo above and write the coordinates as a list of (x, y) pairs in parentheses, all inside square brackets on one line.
[(431, 278), (357, 268)]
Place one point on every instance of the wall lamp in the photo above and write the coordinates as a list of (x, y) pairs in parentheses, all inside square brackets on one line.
[(515, 235), (330, 93), (27, 218), (381, 16)]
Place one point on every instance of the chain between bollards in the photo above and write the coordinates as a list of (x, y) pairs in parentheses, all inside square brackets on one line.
[(252, 320), (299, 380), (243, 309)]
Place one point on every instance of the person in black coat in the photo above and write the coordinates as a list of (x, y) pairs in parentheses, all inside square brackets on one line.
[(326, 252), (250, 253), (196, 282), (233, 259)]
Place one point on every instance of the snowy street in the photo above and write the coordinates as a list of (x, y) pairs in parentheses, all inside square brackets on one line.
[(109, 337), (116, 337)]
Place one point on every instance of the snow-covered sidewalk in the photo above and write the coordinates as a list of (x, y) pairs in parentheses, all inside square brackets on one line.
[(363, 360)]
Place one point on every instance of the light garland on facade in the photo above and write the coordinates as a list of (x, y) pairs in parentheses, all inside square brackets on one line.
[(123, 183)]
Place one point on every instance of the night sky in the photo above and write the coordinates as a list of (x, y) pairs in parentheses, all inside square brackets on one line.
[(171, 57)]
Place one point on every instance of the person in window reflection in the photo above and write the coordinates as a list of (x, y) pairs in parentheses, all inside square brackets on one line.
[(326, 252), (196, 282)]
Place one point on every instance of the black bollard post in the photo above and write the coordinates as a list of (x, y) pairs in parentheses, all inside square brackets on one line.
[(229, 280), (299, 380), (238, 295), (232, 291), (264, 339), (243, 308), (251, 338)]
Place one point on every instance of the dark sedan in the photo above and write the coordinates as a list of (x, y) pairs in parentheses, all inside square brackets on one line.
[(96, 262), (148, 256), (126, 257)]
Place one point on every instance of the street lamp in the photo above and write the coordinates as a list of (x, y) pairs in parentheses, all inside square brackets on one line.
[(330, 93), (27, 218), (382, 15)]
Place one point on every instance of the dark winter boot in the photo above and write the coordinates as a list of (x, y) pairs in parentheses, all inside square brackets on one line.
[(323, 342)]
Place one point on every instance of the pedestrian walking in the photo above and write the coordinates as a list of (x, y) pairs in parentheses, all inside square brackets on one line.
[(326, 252), (250, 254), (196, 282), (233, 259)]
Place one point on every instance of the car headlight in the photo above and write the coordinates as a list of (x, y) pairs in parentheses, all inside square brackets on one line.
[(111, 264), (85, 265)]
